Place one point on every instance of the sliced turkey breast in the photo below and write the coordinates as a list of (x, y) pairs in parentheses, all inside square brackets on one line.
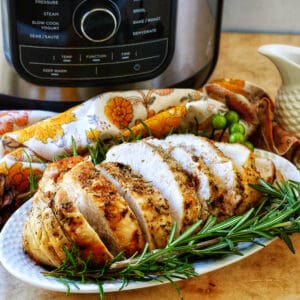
[(103, 208), (244, 161), (52, 176), (55, 222), (165, 174), (46, 238), (36, 241), (150, 207), (221, 167), (78, 230), (43, 238), (266, 168), (57, 237), (207, 190), (241, 155)]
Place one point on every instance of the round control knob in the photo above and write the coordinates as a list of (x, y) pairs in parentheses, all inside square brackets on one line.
[(97, 22), (98, 25)]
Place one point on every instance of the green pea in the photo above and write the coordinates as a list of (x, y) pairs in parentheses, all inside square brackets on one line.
[(232, 117), (237, 127), (249, 145), (218, 121), (236, 137)]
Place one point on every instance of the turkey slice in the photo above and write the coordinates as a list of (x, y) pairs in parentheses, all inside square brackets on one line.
[(52, 175), (78, 230), (103, 208), (165, 174), (244, 161), (220, 166), (57, 237), (207, 190), (35, 239), (43, 239), (150, 207), (266, 168), (46, 240)]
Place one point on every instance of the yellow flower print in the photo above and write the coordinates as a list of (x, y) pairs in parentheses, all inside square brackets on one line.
[(161, 124), (47, 129), (3, 168), (19, 155), (119, 111), (93, 135)]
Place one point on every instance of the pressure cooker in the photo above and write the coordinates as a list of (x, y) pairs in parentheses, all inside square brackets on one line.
[(56, 53)]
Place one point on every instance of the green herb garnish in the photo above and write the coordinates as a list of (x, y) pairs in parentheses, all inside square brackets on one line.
[(33, 178), (278, 215)]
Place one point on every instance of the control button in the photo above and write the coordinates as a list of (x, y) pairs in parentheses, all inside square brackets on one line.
[(98, 25), (95, 58), (48, 55), (140, 51), (130, 68), (96, 21), (143, 66), (137, 67), (94, 62), (61, 72), (124, 53), (96, 55)]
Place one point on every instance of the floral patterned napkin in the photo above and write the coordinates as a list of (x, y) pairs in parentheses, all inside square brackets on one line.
[(31, 139)]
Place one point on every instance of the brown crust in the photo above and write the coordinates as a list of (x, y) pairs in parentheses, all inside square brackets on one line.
[(78, 230), (156, 219), (122, 228)]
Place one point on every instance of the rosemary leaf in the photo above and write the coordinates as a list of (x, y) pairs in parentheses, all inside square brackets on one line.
[(74, 147), (278, 215)]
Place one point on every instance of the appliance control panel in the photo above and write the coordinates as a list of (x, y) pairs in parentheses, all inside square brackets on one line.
[(89, 42)]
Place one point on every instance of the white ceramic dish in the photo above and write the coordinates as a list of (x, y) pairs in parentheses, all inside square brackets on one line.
[(16, 262)]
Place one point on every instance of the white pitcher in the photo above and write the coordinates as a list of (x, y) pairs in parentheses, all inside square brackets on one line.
[(287, 101)]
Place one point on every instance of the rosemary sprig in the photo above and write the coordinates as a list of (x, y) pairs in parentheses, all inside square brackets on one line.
[(74, 146), (33, 178), (278, 215), (98, 150)]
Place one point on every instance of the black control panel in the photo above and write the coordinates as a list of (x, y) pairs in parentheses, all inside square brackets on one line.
[(89, 42)]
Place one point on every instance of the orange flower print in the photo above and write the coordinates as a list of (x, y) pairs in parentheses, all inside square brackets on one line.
[(151, 113), (9, 118), (6, 126), (20, 117), (18, 177), (162, 123), (119, 111), (163, 92)]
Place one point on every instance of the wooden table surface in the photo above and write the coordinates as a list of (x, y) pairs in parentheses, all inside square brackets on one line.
[(271, 273)]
